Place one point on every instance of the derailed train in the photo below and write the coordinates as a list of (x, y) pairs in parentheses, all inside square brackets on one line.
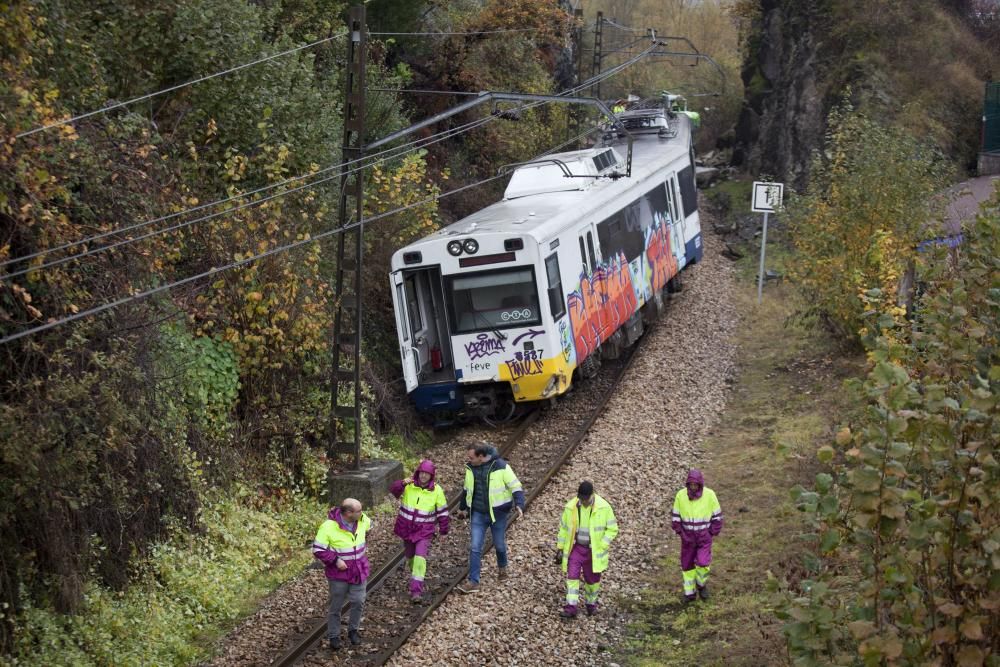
[(513, 303)]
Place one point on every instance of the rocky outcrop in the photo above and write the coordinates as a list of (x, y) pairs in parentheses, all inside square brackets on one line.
[(784, 109)]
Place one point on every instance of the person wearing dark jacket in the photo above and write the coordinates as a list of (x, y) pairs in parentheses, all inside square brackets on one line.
[(697, 519), (422, 507), (492, 490), (340, 545)]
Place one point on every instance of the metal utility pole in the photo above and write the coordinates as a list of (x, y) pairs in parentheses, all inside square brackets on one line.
[(595, 90), (346, 367), (573, 119)]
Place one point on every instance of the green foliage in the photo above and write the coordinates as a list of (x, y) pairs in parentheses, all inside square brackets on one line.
[(857, 226), (907, 523), (205, 374), (190, 585)]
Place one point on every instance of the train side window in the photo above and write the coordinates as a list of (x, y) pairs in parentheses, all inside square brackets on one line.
[(689, 195), (590, 249), (556, 302), (583, 257), (412, 304), (671, 200)]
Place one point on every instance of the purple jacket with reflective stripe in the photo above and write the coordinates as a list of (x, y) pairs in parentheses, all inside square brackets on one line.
[(336, 541), (421, 508), (697, 517)]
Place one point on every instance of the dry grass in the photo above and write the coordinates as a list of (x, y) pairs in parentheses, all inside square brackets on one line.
[(783, 405)]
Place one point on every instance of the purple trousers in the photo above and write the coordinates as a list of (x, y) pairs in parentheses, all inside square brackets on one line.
[(416, 552), (696, 553), (580, 563)]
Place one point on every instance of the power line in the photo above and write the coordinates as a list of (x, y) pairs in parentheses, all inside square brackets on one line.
[(119, 105), (247, 260), (368, 159), (232, 265), (445, 34)]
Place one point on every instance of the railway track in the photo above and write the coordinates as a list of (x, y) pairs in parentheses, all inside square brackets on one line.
[(390, 617)]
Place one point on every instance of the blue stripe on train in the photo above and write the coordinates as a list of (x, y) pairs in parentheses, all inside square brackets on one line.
[(694, 250), (438, 397)]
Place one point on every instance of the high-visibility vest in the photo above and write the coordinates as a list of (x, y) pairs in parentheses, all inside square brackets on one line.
[(697, 515), (603, 527), (502, 487), (347, 546), (421, 505)]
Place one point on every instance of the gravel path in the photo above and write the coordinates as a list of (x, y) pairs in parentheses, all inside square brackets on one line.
[(637, 455)]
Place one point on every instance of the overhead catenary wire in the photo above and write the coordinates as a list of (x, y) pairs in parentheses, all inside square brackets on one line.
[(446, 34), (370, 159), (248, 260), (141, 98)]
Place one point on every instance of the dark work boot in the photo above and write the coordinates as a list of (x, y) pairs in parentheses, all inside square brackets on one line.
[(569, 611), (591, 609), (688, 599), (334, 643), (354, 637), (703, 592)]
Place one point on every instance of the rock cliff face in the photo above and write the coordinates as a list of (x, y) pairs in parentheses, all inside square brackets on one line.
[(784, 109)]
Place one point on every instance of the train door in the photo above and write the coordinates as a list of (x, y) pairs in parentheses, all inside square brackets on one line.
[(407, 352), (677, 223), (425, 312)]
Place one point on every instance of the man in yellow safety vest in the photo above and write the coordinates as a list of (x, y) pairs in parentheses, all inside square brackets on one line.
[(340, 545), (492, 490), (586, 529), (697, 519)]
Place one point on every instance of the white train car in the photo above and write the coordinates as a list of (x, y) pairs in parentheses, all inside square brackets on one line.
[(514, 302)]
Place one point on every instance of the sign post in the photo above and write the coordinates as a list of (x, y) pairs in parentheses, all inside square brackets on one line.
[(766, 199)]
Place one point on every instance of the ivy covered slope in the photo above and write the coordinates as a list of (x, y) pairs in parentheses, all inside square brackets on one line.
[(162, 463)]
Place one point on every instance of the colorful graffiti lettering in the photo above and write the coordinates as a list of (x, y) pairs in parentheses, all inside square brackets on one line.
[(605, 300), (484, 346), (660, 253), (530, 333), (522, 367)]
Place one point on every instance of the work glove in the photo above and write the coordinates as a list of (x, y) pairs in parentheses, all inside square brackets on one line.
[(558, 557)]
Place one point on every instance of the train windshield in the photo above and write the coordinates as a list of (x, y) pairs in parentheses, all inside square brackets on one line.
[(494, 300)]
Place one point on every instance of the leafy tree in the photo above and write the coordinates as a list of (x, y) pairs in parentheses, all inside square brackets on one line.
[(857, 226)]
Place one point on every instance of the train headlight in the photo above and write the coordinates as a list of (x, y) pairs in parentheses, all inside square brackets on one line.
[(455, 248), (471, 246)]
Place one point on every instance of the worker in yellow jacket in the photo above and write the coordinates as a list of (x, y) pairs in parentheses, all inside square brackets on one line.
[(586, 529)]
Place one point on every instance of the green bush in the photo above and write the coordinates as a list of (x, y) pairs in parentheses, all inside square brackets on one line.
[(907, 521)]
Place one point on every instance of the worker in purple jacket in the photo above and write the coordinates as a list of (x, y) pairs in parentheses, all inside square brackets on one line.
[(697, 518), (422, 508), (340, 545)]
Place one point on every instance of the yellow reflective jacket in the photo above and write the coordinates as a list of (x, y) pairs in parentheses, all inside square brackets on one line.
[(504, 488), (603, 529)]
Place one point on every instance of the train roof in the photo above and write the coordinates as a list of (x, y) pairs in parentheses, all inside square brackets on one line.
[(543, 200)]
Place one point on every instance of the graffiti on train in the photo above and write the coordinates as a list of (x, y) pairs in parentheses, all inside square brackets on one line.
[(484, 346), (661, 258), (604, 300), (615, 290), (525, 363)]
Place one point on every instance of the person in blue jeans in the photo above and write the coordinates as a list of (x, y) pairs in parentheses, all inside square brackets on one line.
[(492, 490)]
